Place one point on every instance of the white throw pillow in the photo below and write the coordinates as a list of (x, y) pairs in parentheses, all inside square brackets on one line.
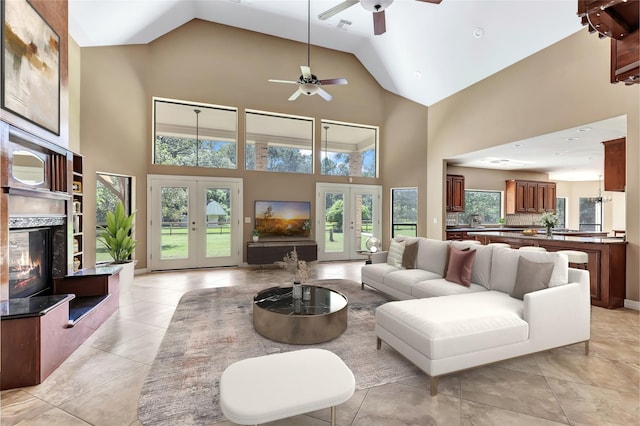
[(396, 250)]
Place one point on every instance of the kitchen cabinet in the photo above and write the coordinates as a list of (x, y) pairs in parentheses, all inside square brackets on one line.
[(614, 164), (546, 197), (455, 193), (523, 196)]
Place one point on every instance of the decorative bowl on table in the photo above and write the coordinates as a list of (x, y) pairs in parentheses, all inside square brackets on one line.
[(530, 232)]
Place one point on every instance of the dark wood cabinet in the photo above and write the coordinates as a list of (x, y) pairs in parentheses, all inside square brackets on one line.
[(455, 193), (523, 196), (266, 253), (614, 164), (546, 197)]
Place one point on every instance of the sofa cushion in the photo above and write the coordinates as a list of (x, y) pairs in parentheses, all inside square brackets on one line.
[(432, 255), (531, 276), (504, 267), (442, 327), (375, 272), (481, 271), (394, 258), (405, 278), (460, 264), (441, 287), (409, 255)]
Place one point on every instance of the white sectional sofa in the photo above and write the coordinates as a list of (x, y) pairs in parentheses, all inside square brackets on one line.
[(444, 327)]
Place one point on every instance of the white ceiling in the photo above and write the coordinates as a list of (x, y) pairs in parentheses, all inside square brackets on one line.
[(428, 53)]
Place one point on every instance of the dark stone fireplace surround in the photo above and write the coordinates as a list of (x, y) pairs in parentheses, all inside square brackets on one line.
[(35, 212)]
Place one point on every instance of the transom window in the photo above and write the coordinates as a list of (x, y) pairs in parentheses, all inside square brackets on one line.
[(194, 134), (348, 149), (278, 143)]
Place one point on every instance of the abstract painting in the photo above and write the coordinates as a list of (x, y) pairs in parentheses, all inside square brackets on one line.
[(30, 65)]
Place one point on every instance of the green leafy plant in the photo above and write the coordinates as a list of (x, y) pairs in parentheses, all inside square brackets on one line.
[(256, 233), (116, 236)]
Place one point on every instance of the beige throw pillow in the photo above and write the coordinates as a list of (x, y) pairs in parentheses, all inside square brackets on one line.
[(396, 249), (531, 276)]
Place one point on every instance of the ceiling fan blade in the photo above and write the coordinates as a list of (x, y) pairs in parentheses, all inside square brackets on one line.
[(295, 95), (282, 81), (306, 71), (327, 97), (334, 81), (379, 24), (431, 1), (337, 9)]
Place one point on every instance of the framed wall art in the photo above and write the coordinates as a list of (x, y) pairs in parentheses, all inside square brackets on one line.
[(30, 66)]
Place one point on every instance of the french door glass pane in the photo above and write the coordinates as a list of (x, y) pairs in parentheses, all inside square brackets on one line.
[(174, 238), (218, 212), (364, 206), (334, 221)]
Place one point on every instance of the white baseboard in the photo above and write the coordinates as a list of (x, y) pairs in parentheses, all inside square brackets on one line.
[(632, 304), (139, 271)]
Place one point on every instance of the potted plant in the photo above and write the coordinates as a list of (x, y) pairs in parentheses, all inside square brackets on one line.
[(117, 239), (256, 235)]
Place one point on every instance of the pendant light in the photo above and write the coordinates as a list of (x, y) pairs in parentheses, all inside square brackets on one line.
[(197, 111), (325, 160)]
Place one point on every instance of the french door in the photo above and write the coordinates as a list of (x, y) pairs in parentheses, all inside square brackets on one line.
[(194, 222), (346, 216)]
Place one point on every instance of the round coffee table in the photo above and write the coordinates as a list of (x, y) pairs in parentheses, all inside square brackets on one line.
[(277, 316)]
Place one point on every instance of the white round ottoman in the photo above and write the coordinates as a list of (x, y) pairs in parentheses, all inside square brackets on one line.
[(266, 388)]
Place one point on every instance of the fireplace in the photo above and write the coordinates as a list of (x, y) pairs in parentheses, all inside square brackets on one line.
[(29, 269)]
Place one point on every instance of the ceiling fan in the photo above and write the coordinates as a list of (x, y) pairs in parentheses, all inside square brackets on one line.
[(308, 83), (377, 7)]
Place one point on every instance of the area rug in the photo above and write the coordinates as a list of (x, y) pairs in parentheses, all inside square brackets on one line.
[(213, 328)]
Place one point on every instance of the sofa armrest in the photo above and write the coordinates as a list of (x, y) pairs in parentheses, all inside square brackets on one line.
[(379, 257), (559, 315)]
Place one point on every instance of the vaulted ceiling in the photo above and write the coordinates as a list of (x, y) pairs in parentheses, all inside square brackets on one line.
[(428, 52)]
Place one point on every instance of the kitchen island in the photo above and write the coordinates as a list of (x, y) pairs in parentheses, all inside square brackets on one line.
[(607, 259)]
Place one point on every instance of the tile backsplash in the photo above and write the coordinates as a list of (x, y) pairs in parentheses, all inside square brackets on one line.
[(532, 219)]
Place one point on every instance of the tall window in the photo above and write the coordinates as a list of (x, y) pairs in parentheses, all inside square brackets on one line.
[(194, 135), (110, 189), (590, 215), (486, 204), (348, 149), (404, 215), (561, 211), (278, 143)]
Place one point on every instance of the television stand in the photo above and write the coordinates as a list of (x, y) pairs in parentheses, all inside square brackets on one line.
[(268, 252)]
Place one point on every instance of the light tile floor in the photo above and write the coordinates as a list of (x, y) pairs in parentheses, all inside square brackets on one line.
[(100, 383)]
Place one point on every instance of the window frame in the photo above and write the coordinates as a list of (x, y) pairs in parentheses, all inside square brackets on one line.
[(404, 224), (128, 208), (201, 138), (500, 204), (323, 142), (249, 136)]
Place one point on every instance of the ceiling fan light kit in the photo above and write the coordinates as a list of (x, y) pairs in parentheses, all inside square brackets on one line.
[(308, 83)]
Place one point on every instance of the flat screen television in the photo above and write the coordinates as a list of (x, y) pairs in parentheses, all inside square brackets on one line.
[(286, 219)]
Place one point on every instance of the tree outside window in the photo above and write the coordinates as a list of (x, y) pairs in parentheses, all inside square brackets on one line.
[(487, 204), (404, 219)]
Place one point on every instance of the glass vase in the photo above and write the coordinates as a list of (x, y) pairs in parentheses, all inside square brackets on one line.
[(297, 290), (549, 233)]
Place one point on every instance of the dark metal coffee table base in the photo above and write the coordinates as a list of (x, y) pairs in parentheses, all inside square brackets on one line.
[(320, 319)]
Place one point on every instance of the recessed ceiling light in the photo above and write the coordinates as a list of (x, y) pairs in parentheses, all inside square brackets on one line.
[(584, 129), (478, 32), (417, 74), (575, 138)]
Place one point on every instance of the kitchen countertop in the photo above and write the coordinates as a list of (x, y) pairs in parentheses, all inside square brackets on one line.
[(542, 237), (484, 229)]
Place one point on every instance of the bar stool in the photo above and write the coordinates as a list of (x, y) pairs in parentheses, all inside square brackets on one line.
[(505, 245), (532, 248), (578, 258)]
